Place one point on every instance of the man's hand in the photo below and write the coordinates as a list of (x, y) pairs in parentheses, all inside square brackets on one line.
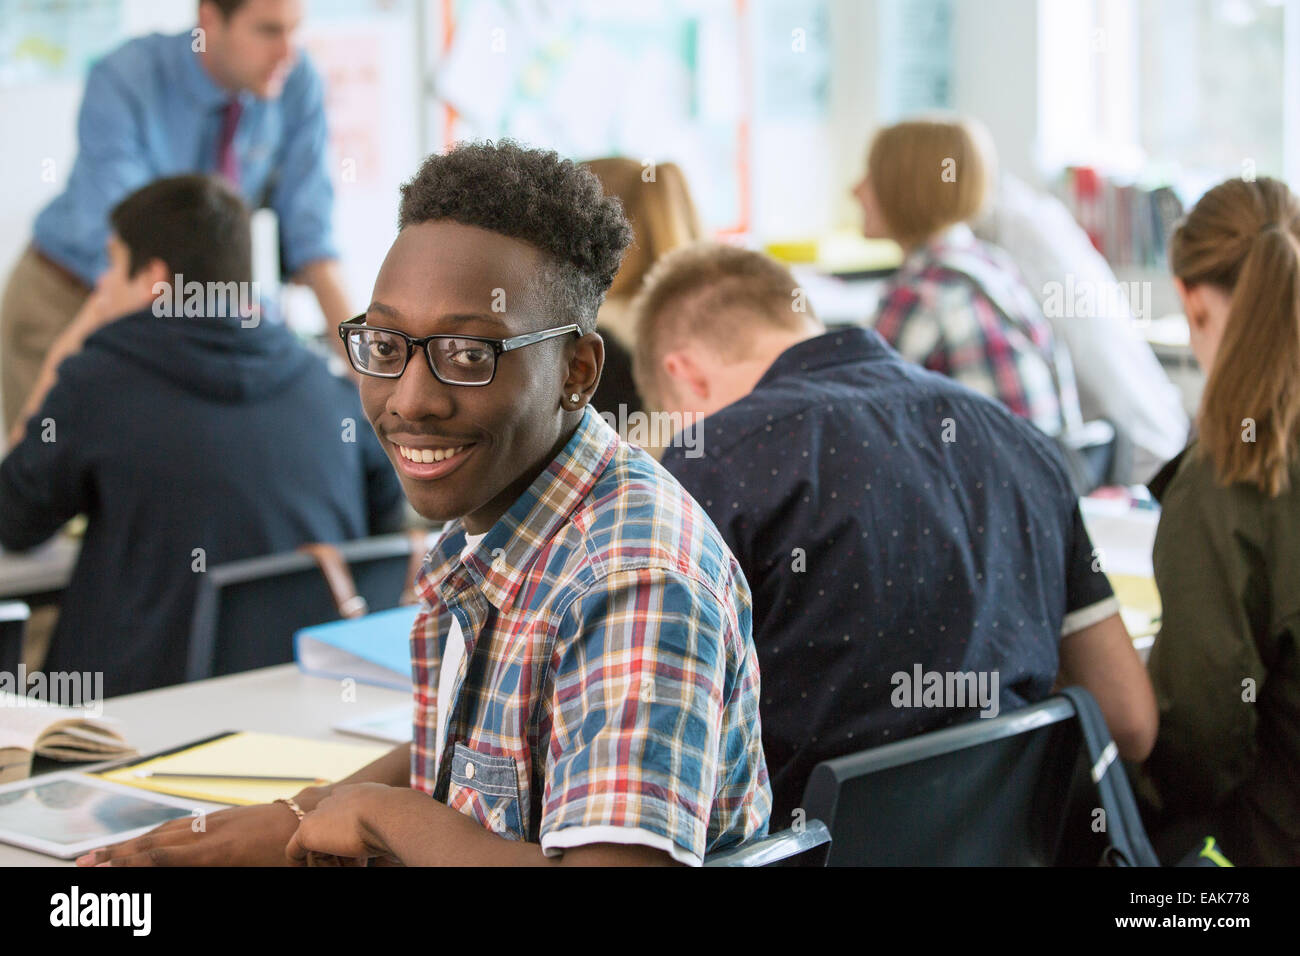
[(342, 825), (93, 315), (241, 836), (325, 278)]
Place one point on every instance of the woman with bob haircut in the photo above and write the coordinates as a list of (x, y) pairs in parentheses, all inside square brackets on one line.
[(958, 305)]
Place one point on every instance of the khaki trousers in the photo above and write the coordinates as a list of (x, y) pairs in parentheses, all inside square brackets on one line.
[(39, 302)]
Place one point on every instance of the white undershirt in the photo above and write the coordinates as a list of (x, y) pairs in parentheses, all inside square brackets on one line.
[(451, 658)]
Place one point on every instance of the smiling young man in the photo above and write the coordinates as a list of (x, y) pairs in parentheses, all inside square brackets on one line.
[(586, 686)]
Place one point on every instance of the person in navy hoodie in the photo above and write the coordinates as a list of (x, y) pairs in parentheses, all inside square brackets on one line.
[(188, 431)]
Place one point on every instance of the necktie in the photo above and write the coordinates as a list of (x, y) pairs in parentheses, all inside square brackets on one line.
[(227, 161)]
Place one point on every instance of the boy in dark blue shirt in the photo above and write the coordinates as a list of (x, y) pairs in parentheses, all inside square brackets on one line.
[(915, 552), (189, 432)]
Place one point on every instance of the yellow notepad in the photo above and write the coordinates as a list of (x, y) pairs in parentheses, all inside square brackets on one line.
[(1139, 602), (262, 755)]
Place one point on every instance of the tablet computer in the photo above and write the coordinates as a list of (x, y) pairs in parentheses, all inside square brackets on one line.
[(67, 814)]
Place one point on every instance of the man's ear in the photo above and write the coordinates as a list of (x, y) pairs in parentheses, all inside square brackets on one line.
[(586, 360), (682, 369), (153, 272), (209, 16)]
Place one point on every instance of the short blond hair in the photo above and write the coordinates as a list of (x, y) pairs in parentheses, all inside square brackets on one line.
[(714, 293), (928, 174)]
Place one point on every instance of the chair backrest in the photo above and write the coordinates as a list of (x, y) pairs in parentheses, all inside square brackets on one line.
[(1013, 790), (13, 621), (246, 612), (1096, 454), (805, 846)]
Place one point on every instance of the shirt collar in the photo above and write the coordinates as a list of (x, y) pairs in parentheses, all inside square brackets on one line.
[(502, 559), (837, 347), (198, 82), (958, 236)]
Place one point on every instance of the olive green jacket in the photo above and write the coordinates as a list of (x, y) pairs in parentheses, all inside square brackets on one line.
[(1224, 665)]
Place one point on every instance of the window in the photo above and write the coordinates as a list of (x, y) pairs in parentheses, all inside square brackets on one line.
[(1184, 91)]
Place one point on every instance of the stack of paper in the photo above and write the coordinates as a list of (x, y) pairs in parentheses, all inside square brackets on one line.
[(242, 755)]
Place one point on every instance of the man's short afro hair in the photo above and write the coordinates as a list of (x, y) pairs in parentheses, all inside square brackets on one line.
[(535, 196)]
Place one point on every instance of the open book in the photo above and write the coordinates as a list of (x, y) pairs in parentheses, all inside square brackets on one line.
[(29, 727)]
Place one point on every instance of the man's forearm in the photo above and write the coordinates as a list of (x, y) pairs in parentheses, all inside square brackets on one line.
[(392, 769), (325, 279), (70, 340), (420, 831)]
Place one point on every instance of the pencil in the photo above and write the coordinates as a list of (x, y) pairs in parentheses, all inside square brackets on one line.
[(145, 774)]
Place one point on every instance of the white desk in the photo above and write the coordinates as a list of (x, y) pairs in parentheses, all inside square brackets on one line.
[(277, 700), (281, 700), (38, 571), (1124, 535), (1124, 538)]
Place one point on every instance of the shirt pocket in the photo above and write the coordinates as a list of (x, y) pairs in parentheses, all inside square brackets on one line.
[(486, 787)]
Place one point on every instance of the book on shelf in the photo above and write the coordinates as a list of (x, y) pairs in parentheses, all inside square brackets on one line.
[(1127, 222)]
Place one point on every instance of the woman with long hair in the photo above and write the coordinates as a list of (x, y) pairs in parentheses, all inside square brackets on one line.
[(657, 202), (1227, 553)]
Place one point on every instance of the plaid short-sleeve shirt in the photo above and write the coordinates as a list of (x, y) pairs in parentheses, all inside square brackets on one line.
[(958, 306), (609, 687)]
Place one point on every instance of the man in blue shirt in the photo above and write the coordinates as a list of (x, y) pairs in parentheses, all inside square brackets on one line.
[(893, 525), (231, 97)]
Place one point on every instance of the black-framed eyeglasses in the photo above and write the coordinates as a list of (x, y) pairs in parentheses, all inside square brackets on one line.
[(453, 359)]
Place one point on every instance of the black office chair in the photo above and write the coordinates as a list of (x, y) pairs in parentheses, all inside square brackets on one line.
[(13, 622), (1097, 453), (805, 846), (246, 612), (1041, 786)]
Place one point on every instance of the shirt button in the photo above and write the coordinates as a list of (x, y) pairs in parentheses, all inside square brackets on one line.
[(469, 771)]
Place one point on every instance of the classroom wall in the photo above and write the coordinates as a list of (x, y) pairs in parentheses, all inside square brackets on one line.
[(802, 166), (995, 76)]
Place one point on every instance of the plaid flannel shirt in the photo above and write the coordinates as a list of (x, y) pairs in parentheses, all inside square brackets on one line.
[(958, 306), (609, 688)]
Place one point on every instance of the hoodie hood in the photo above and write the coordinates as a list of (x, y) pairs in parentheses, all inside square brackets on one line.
[(217, 358)]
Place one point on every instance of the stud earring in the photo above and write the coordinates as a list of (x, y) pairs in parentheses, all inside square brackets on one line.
[(574, 398)]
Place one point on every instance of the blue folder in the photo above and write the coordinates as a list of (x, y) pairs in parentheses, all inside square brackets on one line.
[(375, 649)]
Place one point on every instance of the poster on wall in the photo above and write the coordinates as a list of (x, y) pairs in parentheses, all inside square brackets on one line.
[(915, 56), (595, 79), (795, 54), (366, 53), (49, 40)]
